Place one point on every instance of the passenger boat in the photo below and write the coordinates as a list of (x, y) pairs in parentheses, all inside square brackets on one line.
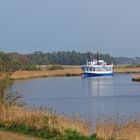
[(96, 67)]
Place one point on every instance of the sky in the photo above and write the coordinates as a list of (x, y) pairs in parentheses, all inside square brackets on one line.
[(107, 26)]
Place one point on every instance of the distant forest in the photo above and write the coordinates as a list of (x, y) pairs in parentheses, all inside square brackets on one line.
[(18, 61)]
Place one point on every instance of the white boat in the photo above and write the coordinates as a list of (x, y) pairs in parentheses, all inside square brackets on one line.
[(96, 67)]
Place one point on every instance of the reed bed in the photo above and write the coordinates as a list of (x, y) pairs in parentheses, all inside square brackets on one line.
[(126, 70), (118, 128), (48, 73), (67, 71), (107, 127), (42, 118), (136, 78)]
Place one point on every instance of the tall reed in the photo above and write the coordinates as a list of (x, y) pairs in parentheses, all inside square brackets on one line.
[(118, 128)]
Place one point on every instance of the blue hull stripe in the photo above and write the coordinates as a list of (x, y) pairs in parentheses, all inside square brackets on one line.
[(96, 75)]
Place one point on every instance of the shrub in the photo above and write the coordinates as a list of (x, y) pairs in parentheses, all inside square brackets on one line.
[(7, 96), (56, 67)]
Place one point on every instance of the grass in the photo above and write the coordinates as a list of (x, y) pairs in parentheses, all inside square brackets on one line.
[(26, 129), (45, 134)]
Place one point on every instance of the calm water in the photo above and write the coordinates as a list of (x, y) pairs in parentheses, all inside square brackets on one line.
[(87, 96)]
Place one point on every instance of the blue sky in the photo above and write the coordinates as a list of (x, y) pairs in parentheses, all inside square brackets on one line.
[(107, 26)]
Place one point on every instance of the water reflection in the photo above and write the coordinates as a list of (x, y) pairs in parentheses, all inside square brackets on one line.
[(99, 86), (98, 90)]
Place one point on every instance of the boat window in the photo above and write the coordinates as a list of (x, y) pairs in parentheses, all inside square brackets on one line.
[(99, 69), (90, 69), (108, 69)]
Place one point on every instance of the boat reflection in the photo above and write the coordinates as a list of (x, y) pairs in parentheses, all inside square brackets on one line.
[(100, 92), (99, 86)]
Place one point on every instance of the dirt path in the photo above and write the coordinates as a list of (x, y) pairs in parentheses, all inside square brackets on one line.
[(15, 136)]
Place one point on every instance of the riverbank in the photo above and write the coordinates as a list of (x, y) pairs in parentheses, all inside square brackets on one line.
[(136, 78), (70, 71), (126, 70), (45, 124), (48, 73)]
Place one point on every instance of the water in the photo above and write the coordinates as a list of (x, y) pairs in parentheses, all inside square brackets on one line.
[(86, 96)]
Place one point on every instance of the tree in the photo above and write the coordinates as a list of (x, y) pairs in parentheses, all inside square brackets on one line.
[(7, 96)]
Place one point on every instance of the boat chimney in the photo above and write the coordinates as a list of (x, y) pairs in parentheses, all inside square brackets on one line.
[(97, 58)]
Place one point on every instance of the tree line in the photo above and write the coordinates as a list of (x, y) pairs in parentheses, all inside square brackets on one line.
[(77, 58), (16, 61), (65, 57)]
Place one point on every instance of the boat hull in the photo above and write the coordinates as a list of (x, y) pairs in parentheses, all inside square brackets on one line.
[(97, 74)]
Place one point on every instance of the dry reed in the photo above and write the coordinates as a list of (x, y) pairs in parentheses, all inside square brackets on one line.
[(34, 74), (136, 78), (72, 71), (113, 128), (42, 118), (118, 128), (126, 70)]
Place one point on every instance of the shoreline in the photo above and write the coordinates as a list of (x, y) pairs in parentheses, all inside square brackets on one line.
[(19, 75), (73, 71), (136, 78)]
